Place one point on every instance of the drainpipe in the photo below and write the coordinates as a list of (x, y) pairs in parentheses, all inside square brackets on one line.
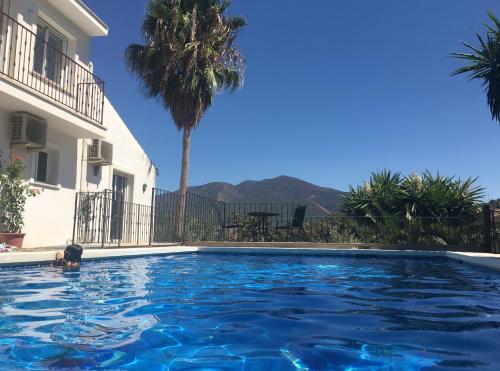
[(6, 7), (82, 162)]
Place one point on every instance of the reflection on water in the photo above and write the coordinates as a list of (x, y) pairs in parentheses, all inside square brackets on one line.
[(251, 313), (87, 307)]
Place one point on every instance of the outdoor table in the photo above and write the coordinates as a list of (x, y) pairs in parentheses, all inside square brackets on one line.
[(262, 215)]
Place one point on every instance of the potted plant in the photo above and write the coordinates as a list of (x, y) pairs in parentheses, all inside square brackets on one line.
[(14, 191)]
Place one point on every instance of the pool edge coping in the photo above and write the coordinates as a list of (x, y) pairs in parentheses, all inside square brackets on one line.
[(24, 257), (486, 260)]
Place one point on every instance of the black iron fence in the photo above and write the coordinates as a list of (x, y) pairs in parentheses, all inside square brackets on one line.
[(203, 217), (495, 230), (104, 218), (164, 216), (436, 231), (37, 61), (207, 219)]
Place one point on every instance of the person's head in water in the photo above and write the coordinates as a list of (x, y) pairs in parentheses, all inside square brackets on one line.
[(73, 254), (71, 258)]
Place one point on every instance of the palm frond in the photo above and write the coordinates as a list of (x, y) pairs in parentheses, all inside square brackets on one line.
[(188, 56), (484, 64)]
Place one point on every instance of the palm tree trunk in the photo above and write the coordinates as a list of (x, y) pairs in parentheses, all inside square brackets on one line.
[(181, 207)]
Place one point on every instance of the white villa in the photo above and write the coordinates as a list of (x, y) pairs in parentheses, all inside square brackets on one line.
[(55, 115)]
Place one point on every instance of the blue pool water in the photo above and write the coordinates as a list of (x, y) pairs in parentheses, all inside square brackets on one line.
[(250, 312)]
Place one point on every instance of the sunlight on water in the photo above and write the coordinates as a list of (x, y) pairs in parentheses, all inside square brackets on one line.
[(249, 312)]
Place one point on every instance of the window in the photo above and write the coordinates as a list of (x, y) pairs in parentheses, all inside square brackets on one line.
[(48, 58), (46, 167), (120, 186), (41, 167)]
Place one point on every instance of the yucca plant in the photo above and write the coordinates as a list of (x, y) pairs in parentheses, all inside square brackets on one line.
[(188, 56), (443, 205), (381, 195), (483, 63), (381, 201), (443, 196), (415, 207)]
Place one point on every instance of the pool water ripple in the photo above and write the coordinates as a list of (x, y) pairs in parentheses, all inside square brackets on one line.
[(251, 312)]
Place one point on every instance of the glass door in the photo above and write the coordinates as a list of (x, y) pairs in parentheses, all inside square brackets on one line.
[(120, 186), (48, 57)]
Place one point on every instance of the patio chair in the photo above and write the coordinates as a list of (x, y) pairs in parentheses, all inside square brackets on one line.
[(296, 223), (229, 225)]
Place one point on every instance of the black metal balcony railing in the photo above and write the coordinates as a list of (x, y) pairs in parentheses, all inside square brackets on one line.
[(34, 62)]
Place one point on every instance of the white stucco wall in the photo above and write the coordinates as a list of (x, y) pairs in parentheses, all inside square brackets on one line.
[(27, 13), (4, 133), (49, 216), (128, 159)]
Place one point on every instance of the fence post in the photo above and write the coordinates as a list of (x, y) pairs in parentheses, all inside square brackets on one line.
[(104, 217), (182, 237), (494, 247), (151, 216), (487, 232), (119, 205), (138, 208), (74, 218), (224, 220)]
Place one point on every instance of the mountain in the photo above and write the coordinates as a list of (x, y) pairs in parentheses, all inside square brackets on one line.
[(320, 200)]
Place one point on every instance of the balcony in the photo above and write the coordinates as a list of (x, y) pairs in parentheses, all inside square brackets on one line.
[(35, 61)]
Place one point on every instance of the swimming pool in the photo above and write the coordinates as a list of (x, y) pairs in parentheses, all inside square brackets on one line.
[(251, 312)]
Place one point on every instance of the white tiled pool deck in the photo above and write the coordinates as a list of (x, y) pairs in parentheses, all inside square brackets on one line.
[(27, 257), (30, 257)]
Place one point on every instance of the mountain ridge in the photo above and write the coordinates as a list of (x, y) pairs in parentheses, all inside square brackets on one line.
[(320, 200)]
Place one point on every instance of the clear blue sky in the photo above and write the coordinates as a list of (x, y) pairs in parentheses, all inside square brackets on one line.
[(333, 91)]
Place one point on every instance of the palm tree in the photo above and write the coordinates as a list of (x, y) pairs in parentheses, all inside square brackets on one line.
[(188, 56), (484, 64)]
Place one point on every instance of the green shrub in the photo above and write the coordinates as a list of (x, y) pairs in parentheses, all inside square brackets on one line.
[(14, 191), (419, 209)]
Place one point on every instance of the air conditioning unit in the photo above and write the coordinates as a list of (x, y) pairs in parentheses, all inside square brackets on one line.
[(28, 131), (100, 152)]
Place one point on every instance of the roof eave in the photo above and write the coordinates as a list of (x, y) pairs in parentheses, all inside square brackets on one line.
[(81, 15)]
